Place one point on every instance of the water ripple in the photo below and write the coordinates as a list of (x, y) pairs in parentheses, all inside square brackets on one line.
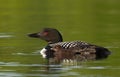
[(24, 54), (18, 64), (6, 36), (10, 74)]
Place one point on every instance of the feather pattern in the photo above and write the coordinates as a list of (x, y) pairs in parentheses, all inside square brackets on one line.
[(72, 44)]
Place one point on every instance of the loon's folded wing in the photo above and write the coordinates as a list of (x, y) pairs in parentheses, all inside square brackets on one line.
[(67, 45)]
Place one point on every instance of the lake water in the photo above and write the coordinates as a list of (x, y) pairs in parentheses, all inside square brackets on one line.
[(93, 21)]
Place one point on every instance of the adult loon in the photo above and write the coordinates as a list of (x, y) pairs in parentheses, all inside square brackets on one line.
[(54, 38)]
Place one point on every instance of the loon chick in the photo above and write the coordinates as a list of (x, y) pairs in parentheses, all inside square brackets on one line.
[(54, 37), (62, 54), (73, 54)]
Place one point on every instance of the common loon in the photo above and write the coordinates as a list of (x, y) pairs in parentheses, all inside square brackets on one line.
[(54, 38)]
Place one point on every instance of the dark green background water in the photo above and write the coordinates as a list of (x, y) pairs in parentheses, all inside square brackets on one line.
[(93, 21)]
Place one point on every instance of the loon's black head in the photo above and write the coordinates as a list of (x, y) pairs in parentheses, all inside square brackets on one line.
[(50, 35)]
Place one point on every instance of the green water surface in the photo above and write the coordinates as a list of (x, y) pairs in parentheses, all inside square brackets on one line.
[(93, 21)]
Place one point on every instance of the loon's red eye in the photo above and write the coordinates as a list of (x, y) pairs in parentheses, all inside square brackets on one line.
[(45, 33)]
